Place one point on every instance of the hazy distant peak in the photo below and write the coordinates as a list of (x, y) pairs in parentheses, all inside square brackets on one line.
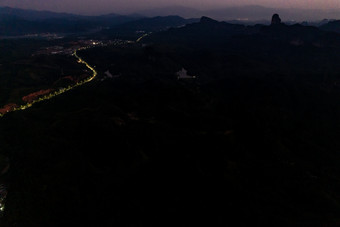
[(32, 14), (171, 10)]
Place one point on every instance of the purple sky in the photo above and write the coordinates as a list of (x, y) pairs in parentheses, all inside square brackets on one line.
[(129, 6)]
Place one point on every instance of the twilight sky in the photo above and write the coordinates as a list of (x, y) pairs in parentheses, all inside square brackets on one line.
[(130, 6)]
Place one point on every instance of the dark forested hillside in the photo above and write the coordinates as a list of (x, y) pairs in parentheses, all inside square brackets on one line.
[(209, 124)]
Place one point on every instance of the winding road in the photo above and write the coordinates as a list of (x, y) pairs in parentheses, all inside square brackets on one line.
[(61, 90)]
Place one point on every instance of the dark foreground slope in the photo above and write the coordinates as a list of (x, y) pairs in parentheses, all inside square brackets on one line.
[(253, 140)]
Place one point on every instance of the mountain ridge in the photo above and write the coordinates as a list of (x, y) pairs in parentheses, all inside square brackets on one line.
[(247, 12)]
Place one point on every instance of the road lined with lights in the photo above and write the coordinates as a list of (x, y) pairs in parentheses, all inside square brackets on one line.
[(142, 37), (61, 90), (3, 189)]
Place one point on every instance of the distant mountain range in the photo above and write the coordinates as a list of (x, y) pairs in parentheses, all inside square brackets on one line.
[(333, 26), (21, 22), (134, 29), (212, 34), (33, 15), (246, 13)]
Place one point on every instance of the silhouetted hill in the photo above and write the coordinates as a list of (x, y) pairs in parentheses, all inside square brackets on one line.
[(207, 32), (156, 23), (32, 14), (144, 25), (211, 33), (18, 21), (317, 23), (245, 13), (172, 10), (18, 26), (333, 26)]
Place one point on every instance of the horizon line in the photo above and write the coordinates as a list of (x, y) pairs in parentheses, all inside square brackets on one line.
[(131, 12)]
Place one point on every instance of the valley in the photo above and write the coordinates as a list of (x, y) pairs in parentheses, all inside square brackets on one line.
[(160, 123)]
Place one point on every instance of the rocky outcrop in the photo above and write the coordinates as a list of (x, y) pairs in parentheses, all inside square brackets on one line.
[(208, 20), (276, 19)]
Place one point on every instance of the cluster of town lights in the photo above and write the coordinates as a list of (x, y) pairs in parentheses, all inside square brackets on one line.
[(3, 195), (58, 92)]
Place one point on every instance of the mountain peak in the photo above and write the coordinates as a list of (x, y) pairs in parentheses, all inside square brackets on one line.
[(207, 20), (276, 19)]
